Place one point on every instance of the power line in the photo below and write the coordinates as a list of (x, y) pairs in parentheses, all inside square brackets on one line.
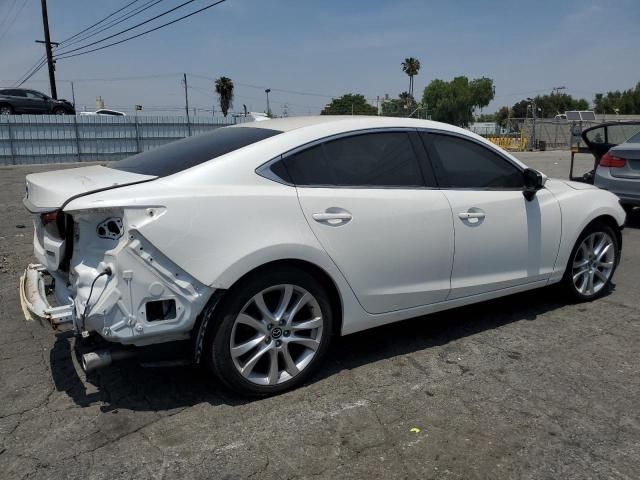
[(29, 73), (98, 22), (33, 72), (116, 21), (12, 21), (4, 20), (262, 87), (133, 27)]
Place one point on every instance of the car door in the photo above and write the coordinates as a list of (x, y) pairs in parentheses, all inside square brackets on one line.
[(19, 101), (502, 240), (36, 102), (374, 210)]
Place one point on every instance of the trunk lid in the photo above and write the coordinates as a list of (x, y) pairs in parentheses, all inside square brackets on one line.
[(48, 191), (631, 153)]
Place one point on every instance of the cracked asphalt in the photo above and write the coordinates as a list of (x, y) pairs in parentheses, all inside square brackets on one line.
[(522, 387)]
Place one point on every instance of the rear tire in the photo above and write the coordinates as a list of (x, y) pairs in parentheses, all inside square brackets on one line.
[(6, 109), (60, 111), (270, 333), (592, 263)]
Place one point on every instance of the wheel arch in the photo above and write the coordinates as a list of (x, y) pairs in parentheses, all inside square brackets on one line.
[(202, 326), (610, 221)]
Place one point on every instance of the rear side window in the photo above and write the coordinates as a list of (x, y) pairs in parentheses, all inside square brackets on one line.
[(466, 164), (384, 159), (189, 152)]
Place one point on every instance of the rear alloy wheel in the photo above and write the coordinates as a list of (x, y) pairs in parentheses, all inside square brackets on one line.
[(274, 330), (593, 261), (6, 110), (59, 111)]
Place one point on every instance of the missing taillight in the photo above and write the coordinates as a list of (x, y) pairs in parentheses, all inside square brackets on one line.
[(54, 223)]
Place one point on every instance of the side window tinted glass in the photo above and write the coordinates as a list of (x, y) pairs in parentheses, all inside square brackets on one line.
[(469, 165), (309, 167), (374, 159)]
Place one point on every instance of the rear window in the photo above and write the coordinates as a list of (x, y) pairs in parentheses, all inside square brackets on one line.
[(189, 152)]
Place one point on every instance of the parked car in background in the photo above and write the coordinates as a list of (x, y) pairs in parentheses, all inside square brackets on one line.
[(23, 101), (616, 147), (255, 244), (107, 112)]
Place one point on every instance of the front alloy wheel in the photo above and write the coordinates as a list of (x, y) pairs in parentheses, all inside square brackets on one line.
[(593, 263), (270, 332)]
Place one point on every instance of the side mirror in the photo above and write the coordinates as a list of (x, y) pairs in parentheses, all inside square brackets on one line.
[(533, 181)]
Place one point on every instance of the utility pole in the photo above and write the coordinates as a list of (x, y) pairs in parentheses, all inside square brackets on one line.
[(186, 102), (268, 109), (47, 45), (186, 95), (73, 95)]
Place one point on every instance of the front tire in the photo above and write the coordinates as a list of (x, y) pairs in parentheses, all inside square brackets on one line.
[(60, 111), (592, 263), (270, 333), (6, 109)]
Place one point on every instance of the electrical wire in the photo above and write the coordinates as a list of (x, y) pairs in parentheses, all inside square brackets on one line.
[(33, 72), (131, 28), (114, 22), (98, 22), (145, 32), (107, 271), (12, 21)]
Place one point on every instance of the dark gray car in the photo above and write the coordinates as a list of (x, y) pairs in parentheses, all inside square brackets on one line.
[(616, 147), (21, 100)]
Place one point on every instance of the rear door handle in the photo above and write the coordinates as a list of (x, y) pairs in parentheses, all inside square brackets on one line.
[(468, 215)]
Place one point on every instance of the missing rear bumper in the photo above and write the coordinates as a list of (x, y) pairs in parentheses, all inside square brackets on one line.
[(34, 300)]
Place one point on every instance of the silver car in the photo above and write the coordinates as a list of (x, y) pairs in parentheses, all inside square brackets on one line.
[(616, 147)]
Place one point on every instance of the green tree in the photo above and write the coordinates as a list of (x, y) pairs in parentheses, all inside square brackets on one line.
[(398, 107), (454, 101), (410, 66), (224, 89), (549, 105), (348, 104), (502, 116), (626, 102)]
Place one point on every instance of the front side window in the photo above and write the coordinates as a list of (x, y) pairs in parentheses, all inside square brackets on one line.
[(466, 164), (384, 159)]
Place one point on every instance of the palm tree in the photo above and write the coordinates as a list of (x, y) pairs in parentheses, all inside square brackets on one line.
[(224, 89), (411, 66)]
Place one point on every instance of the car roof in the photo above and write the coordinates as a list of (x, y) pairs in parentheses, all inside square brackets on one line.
[(350, 122)]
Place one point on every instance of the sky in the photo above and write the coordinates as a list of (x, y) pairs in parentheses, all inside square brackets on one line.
[(310, 51)]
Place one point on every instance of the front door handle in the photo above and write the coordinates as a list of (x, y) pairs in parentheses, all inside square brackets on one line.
[(325, 217), (468, 215)]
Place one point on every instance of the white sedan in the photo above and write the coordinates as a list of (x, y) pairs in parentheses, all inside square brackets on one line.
[(255, 244)]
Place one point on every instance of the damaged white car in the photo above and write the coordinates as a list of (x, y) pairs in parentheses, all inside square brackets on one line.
[(255, 244)]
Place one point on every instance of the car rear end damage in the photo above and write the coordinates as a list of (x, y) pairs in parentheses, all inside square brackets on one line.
[(98, 273)]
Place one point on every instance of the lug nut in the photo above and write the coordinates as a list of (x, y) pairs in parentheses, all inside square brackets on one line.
[(278, 343), (286, 333), (269, 327), (267, 340), (282, 322)]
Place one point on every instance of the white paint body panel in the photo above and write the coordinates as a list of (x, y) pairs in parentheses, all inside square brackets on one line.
[(394, 260), (515, 243), (387, 252)]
